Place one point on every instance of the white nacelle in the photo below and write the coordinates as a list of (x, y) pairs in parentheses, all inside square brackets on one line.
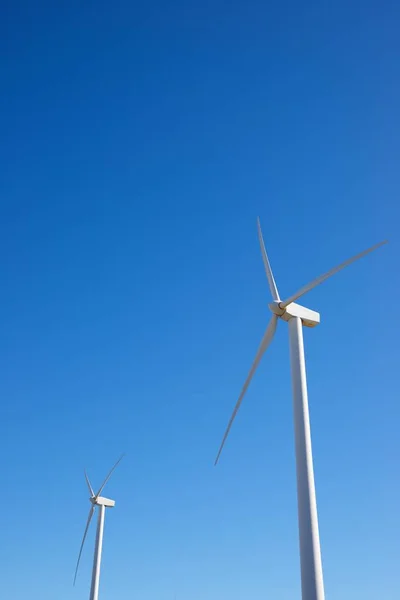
[(101, 501), (310, 318)]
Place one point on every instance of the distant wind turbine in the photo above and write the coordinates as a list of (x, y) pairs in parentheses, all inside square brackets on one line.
[(312, 584), (102, 503)]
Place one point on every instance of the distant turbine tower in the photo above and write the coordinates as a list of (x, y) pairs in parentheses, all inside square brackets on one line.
[(312, 584), (102, 503)]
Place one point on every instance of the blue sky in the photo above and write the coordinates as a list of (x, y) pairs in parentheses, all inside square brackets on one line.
[(139, 143)]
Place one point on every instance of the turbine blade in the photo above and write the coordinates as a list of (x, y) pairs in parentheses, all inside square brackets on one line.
[(265, 342), (83, 540), (267, 266), (328, 274), (89, 486), (108, 476)]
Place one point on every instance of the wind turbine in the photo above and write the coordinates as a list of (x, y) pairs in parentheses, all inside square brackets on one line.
[(102, 503), (312, 584)]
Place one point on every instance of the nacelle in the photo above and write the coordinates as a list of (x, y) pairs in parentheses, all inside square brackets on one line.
[(105, 502), (310, 318)]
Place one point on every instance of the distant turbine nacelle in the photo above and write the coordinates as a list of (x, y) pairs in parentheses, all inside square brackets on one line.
[(101, 501), (310, 318)]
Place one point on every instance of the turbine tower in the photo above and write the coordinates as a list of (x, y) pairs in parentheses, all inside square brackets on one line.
[(102, 503), (297, 316)]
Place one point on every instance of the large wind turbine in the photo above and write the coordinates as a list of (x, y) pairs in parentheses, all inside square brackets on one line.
[(102, 503), (312, 584)]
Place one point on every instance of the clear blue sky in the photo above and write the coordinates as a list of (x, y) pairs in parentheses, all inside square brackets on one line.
[(139, 143)]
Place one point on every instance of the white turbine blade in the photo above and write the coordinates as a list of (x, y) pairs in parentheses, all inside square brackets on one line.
[(328, 274), (108, 476), (267, 266), (89, 486), (265, 342), (83, 540)]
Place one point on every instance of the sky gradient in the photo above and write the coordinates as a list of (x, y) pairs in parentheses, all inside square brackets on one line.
[(139, 144)]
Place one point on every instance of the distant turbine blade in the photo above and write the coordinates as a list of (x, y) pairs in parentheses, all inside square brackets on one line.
[(267, 266), (83, 540), (89, 486), (108, 476), (328, 274), (265, 342)]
